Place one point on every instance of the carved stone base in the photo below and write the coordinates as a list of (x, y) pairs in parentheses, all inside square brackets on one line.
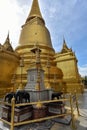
[(39, 112), (23, 114), (55, 108), (6, 113)]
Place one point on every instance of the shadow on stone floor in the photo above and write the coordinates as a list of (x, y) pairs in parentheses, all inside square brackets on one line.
[(46, 125), (80, 127)]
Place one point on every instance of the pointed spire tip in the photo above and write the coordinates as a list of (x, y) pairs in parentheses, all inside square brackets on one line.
[(35, 11)]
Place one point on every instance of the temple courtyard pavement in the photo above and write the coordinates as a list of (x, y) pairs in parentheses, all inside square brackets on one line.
[(80, 121)]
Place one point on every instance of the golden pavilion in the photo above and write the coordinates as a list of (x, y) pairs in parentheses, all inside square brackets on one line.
[(60, 69)]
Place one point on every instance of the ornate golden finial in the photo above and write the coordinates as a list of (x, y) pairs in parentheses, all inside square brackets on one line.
[(48, 67), (20, 86), (64, 43), (21, 69), (22, 62), (55, 79), (65, 47), (39, 105), (48, 86), (13, 81), (7, 44), (64, 39), (7, 39), (48, 61), (35, 11), (36, 50)]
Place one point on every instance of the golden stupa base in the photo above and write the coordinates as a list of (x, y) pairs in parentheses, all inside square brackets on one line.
[(47, 85), (20, 86), (39, 110)]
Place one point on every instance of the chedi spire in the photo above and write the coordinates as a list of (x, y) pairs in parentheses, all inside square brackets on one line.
[(7, 44), (35, 11)]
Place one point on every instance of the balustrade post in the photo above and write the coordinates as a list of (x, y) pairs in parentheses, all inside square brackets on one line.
[(77, 106), (12, 113), (72, 113)]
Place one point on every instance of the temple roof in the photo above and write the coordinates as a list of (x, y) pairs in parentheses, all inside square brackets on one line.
[(35, 11), (65, 47), (7, 44)]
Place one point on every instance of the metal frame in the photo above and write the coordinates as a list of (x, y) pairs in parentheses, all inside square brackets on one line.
[(13, 105)]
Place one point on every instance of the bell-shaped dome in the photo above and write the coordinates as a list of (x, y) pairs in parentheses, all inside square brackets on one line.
[(54, 71), (34, 29)]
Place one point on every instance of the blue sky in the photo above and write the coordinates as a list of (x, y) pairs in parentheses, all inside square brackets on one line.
[(66, 18)]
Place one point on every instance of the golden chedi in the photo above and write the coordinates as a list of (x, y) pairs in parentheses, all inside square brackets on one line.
[(54, 79), (61, 75), (9, 60), (34, 32), (67, 62)]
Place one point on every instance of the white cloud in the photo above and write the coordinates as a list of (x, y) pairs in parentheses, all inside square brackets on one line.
[(83, 70), (12, 16), (63, 18), (9, 19)]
